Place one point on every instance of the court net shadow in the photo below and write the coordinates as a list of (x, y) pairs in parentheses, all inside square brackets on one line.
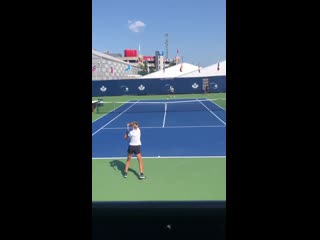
[(120, 166)]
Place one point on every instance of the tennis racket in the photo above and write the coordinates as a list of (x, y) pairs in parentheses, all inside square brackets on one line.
[(128, 128), (126, 136)]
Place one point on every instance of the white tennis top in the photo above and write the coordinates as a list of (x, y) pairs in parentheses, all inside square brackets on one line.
[(134, 137)]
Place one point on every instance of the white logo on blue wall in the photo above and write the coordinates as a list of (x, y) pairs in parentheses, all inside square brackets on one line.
[(103, 89), (141, 87), (124, 88), (213, 85), (195, 85), (169, 88)]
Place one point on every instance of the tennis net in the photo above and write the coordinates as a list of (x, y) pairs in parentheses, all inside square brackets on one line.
[(103, 107)]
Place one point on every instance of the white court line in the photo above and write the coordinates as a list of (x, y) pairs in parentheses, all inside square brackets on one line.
[(105, 114), (113, 119), (211, 111), (212, 126), (165, 113), (99, 117), (217, 104), (106, 158), (109, 112)]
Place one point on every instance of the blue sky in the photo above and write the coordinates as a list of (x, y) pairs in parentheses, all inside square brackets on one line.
[(196, 27)]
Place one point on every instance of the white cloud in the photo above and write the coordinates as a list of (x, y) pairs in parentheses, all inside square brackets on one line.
[(136, 26)]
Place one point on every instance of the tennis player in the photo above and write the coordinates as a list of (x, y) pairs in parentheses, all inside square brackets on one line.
[(134, 147), (171, 91)]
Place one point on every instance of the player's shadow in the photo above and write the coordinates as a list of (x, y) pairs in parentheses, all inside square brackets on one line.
[(120, 166)]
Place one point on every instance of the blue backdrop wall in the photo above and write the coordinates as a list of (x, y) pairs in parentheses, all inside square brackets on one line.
[(157, 86)]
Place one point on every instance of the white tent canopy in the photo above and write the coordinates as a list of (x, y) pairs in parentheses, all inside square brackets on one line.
[(189, 70), (211, 70), (172, 72)]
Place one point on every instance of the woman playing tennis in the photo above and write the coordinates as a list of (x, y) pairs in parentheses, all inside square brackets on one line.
[(134, 147)]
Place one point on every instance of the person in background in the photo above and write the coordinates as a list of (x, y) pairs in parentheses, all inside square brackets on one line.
[(171, 91), (206, 89)]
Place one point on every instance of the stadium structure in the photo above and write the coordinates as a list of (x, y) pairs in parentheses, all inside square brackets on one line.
[(107, 67)]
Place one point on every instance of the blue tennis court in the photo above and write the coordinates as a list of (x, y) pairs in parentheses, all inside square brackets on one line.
[(169, 128)]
